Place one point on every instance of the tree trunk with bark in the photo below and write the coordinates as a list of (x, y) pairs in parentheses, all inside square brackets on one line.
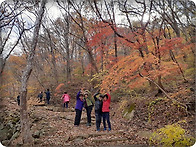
[(24, 117), (51, 49), (1, 54), (68, 48)]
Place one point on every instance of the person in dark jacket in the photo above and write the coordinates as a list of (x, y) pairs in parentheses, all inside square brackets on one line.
[(98, 109), (40, 96), (18, 99), (78, 108), (48, 96), (88, 104)]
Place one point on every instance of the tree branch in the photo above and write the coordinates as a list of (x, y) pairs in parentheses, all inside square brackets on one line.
[(167, 95)]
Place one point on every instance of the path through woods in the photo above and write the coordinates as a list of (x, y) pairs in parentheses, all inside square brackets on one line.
[(51, 126)]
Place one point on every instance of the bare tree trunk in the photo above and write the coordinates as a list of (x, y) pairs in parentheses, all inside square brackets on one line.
[(24, 118), (115, 36), (51, 46), (159, 63), (67, 48), (102, 60), (68, 67), (115, 47), (87, 47), (81, 61), (1, 57), (2, 45), (55, 72), (160, 85), (175, 60), (92, 60)]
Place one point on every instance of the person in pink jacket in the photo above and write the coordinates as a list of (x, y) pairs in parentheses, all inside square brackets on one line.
[(106, 111), (66, 99)]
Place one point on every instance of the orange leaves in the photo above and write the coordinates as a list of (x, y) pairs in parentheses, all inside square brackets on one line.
[(149, 53), (123, 72), (171, 44), (60, 88)]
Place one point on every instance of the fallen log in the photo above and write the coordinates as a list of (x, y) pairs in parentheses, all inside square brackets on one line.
[(41, 104)]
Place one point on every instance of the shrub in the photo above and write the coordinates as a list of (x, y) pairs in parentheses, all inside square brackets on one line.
[(171, 135)]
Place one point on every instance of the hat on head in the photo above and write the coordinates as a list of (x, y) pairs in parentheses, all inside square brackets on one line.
[(81, 94), (85, 93)]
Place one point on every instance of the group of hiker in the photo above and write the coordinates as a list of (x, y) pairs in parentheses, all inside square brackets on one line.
[(101, 103), (40, 96)]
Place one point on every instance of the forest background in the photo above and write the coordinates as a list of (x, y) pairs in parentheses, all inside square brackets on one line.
[(134, 49)]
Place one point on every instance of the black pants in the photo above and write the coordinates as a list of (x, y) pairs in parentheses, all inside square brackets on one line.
[(18, 102), (66, 104), (78, 117), (48, 100), (106, 117), (40, 99), (98, 116), (88, 112)]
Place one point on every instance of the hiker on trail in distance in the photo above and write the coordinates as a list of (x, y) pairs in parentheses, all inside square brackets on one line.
[(40, 96), (106, 111), (78, 107), (88, 104), (98, 109), (18, 99), (66, 99), (47, 96)]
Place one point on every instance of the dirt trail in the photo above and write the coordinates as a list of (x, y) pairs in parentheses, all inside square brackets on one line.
[(57, 129), (51, 126)]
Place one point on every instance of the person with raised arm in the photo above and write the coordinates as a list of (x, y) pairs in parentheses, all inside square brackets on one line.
[(106, 110), (78, 107)]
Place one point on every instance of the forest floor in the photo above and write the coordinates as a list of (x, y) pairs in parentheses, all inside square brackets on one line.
[(54, 126), (51, 125)]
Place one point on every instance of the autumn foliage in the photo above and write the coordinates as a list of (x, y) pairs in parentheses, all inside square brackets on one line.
[(154, 63)]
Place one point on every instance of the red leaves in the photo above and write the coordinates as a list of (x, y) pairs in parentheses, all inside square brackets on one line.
[(150, 52), (99, 34), (171, 44)]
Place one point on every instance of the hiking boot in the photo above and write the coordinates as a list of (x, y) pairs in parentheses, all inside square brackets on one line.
[(109, 129)]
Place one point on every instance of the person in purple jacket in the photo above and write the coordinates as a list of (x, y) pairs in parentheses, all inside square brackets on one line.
[(78, 108)]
